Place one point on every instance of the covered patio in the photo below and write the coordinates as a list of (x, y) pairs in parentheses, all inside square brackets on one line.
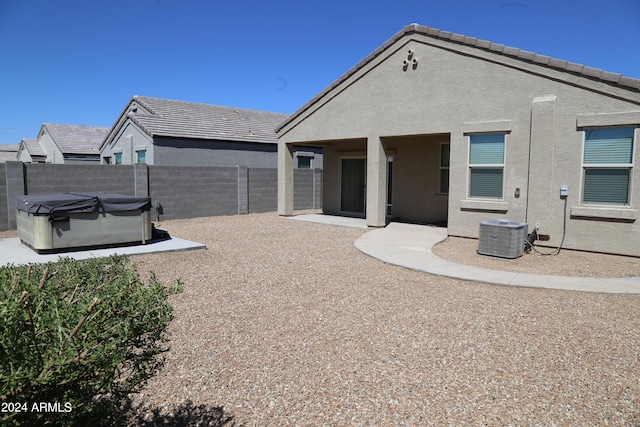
[(380, 179)]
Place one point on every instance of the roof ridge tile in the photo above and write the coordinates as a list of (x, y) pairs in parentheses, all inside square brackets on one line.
[(561, 64), (186, 119)]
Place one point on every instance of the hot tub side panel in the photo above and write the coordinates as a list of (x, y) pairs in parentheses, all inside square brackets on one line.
[(84, 229), (34, 230)]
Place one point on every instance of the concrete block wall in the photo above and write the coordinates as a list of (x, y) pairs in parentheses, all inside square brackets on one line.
[(4, 208), (243, 190), (307, 189), (194, 191), (182, 191), (263, 190), (141, 180), (43, 178), (15, 186)]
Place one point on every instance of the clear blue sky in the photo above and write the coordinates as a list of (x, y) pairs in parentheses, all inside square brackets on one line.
[(80, 61)]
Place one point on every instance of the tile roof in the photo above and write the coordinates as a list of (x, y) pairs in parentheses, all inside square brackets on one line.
[(8, 152), (11, 148), (500, 49), (183, 119), (33, 147), (524, 55), (77, 139)]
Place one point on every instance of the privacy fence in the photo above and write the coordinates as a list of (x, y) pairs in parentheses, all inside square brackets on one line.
[(181, 191)]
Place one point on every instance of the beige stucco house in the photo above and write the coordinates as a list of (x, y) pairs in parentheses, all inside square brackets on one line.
[(439, 127)]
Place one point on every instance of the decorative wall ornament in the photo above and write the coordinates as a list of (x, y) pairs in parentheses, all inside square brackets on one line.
[(410, 61)]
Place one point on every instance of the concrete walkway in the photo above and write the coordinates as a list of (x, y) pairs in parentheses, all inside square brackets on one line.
[(409, 245)]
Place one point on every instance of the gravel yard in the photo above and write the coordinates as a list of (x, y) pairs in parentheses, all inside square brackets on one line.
[(286, 323), (565, 263)]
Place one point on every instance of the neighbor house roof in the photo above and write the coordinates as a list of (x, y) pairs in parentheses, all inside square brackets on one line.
[(499, 49), (8, 152), (33, 147), (77, 139), (181, 119)]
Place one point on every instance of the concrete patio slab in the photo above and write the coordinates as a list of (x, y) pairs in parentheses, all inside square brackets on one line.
[(404, 245), (12, 251), (343, 221)]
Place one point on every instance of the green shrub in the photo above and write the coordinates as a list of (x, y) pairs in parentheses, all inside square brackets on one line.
[(77, 338)]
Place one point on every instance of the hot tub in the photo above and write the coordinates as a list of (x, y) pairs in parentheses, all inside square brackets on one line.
[(55, 222)]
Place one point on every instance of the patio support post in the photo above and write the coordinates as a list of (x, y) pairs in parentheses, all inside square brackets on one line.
[(285, 179), (376, 182)]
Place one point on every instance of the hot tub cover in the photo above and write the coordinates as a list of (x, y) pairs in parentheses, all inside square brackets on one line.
[(62, 203)]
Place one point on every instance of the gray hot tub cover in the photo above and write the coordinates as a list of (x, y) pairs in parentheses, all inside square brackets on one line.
[(63, 203)]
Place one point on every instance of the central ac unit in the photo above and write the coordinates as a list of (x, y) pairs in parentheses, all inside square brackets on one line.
[(502, 238)]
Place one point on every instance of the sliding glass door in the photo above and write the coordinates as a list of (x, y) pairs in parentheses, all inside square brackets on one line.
[(353, 185)]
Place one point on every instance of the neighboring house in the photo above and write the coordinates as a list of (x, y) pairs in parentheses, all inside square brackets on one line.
[(435, 126), (57, 143), (8, 152), (30, 151), (158, 131)]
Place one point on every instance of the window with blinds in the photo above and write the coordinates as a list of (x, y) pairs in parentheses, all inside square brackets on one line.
[(141, 157), (304, 162), (486, 165), (607, 165)]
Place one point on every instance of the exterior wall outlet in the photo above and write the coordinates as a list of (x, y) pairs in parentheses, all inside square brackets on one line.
[(564, 191)]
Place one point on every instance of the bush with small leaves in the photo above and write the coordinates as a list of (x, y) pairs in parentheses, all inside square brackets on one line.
[(76, 338)]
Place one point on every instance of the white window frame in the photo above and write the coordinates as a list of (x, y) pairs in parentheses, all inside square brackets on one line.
[(471, 166), (305, 155), (310, 159), (143, 150), (629, 166)]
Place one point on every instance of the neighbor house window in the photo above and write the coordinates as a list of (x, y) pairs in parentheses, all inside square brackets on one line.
[(141, 157), (304, 162), (107, 160), (444, 168), (607, 165), (486, 165), (117, 158)]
